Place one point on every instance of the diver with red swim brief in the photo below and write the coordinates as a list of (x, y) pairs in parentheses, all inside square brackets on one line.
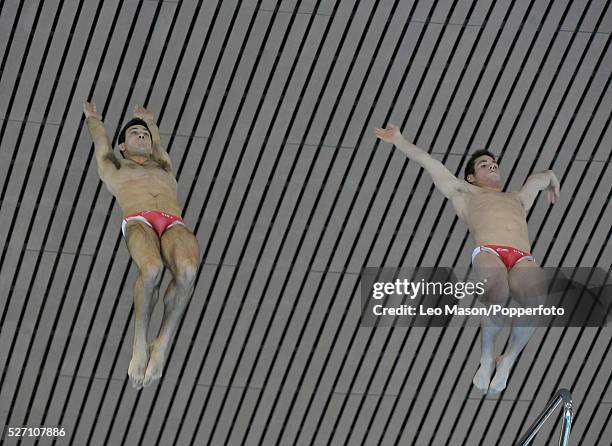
[(493, 216), (509, 255), (155, 238), (158, 220)]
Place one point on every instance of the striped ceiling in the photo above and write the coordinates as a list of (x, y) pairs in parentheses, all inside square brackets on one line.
[(267, 109)]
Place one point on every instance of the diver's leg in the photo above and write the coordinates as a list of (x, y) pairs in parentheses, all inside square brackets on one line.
[(528, 286), (490, 270), (181, 254), (143, 245)]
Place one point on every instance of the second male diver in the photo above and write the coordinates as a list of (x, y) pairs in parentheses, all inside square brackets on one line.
[(497, 222), (146, 190)]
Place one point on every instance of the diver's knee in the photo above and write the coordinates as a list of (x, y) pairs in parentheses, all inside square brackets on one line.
[(150, 271), (186, 271), (496, 291)]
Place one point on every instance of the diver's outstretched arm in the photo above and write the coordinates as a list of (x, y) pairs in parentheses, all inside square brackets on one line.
[(105, 158), (444, 180), (546, 180)]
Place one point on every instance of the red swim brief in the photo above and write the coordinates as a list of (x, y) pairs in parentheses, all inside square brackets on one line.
[(507, 254), (158, 220)]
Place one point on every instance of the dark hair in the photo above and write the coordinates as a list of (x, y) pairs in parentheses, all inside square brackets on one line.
[(131, 123), (469, 168)]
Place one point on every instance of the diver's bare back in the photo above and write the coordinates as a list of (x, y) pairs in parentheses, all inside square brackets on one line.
[(493, 217), (143, 187)]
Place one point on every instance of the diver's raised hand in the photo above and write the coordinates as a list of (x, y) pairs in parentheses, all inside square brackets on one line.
[(391, 134), (143, 113), (89, 108), (553, 191)]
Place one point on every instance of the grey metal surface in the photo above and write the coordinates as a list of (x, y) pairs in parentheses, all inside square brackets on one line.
[(267, 110)]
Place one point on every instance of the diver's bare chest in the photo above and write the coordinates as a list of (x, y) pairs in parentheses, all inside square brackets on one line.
[(501, 202), (150, 174)]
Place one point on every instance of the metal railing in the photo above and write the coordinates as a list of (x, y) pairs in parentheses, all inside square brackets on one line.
[(562, 396)]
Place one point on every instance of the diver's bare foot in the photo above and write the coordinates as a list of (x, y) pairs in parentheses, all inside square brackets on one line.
[(155, 367), (483, 375), (502, 371), (138, 365)]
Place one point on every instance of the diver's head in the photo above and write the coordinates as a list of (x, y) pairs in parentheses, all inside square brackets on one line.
[(135, 139), (482, 170)]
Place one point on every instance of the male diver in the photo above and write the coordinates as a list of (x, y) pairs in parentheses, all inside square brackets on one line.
[(146, 189), (501, 259)]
